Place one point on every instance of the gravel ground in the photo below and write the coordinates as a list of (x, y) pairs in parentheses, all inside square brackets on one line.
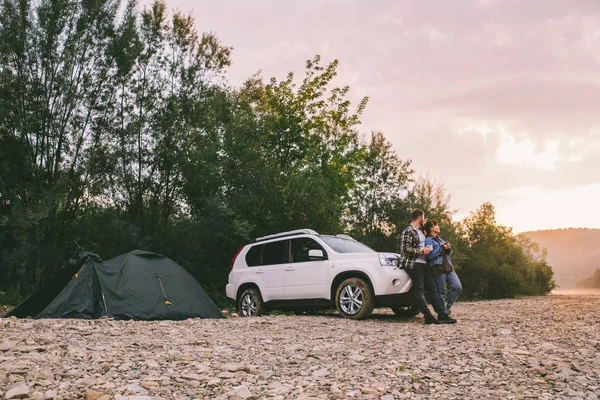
[(543, 347), (5, 309)]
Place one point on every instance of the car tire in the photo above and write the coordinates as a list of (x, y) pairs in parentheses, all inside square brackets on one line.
[(405, 311), (354, 299), (250, 303)]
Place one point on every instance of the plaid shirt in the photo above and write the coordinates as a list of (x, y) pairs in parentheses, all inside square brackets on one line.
[(409, 247)]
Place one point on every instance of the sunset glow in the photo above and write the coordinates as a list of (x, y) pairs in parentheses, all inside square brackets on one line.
[(497, 99)]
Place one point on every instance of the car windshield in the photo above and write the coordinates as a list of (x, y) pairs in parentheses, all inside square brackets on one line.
[(341, 245)]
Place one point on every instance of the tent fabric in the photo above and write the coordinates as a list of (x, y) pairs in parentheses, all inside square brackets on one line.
[(34, 304), (139, 285)]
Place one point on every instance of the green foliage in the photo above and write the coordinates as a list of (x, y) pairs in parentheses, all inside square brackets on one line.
[(498, 264), (591, 282), (10, 297), (572, 252), (118, 131), (378, 195)]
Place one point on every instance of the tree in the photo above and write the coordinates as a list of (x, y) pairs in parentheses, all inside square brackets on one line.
[(497, 263), (291, 151), (118, 131), (381, 183), (54, 82), (592, 281)]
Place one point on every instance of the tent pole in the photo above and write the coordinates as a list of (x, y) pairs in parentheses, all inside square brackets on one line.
[(104, 301)]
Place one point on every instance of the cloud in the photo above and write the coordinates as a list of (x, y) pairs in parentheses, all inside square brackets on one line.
[(546, 107), (536, 208), (524, 152), (489, 96)]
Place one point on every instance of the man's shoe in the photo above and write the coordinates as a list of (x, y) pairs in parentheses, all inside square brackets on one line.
[(431, 321), (446, 319)]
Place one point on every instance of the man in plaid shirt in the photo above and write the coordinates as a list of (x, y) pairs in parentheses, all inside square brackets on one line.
[(413, 259)]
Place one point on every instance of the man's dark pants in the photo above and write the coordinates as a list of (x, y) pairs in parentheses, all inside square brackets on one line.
[(423, 280)]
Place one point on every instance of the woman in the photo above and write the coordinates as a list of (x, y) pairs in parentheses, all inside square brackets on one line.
[(439, 261)]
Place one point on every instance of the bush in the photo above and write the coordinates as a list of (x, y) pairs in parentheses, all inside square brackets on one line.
[(11, 297)]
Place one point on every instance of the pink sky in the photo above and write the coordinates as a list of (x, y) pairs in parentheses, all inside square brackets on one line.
[(500, 100)]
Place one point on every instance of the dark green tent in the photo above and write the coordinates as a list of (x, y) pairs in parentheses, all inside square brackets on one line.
[(139, 285)]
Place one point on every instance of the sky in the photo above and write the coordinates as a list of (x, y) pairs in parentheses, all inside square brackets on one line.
[(499, 100)]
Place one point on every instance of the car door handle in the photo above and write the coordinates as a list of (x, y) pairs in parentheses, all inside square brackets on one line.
[(290, 269), (259, 271)]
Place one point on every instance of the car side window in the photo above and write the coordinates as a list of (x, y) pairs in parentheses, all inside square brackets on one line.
[(300, 248), (254, 256), (274, 253)]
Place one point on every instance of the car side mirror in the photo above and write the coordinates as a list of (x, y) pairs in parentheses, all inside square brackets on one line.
[(316, 254)]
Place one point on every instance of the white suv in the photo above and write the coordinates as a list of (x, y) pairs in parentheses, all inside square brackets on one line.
[(302, 270)]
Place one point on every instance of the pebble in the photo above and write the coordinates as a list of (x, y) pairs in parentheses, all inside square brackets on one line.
[(498, 349), (92, 395), (18, 392)]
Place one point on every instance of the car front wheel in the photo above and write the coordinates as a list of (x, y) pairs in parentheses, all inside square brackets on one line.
[(354, 299), (250, 303)]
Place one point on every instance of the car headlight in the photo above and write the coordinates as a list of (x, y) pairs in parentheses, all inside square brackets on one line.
[(388, 260)]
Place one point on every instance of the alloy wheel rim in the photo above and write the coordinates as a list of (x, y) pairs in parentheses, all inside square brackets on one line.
[(249, 305), (351, 299)]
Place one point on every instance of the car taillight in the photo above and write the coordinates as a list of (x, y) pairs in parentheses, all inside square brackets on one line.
[(234, 257)]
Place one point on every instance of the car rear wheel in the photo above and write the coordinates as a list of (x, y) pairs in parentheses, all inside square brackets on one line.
[(250, 303), (354, 299), (405, 311)]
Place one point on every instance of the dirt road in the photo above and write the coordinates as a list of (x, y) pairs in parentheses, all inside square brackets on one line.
[(545, 347)]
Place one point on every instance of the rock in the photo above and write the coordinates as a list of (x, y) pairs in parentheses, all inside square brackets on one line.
[(566, 371), (92, 395), (368, 390), (305, 397), (136, 389), (244, 393), (236, 367), (575, 367), (133, 398), (17, 392), (356, 357), (313, 357), (87, 381), (323, 372)]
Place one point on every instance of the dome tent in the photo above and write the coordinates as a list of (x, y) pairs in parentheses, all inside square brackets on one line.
[(138, 285)]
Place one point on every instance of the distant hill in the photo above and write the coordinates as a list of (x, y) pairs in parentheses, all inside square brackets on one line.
[(573, 253)]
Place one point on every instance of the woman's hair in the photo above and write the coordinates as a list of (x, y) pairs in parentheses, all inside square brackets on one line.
[(428, 225)]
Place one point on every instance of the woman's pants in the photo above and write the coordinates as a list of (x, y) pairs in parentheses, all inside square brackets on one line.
[(450, 279)]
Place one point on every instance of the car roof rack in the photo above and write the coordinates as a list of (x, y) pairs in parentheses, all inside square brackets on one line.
[(284, 234)]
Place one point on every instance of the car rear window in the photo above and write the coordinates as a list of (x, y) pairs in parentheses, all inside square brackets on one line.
[(267, 254), (254, 255)]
